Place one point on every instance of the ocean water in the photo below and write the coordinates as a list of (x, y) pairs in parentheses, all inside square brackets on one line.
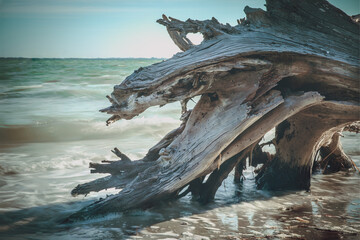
[(50, 129)]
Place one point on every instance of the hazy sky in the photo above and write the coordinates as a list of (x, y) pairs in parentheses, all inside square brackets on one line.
[(108, 28)]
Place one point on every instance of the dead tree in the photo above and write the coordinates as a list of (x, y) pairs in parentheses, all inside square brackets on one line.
[(294, 67)]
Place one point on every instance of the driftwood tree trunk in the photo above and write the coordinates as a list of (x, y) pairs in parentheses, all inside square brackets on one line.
[(294, 67), (297, 142), (333, 157)]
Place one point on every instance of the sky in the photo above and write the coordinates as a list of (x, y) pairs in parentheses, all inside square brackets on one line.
[(109, 28)]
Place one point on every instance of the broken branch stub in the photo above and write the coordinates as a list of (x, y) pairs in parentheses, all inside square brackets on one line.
[(294, 67), (178, 30)]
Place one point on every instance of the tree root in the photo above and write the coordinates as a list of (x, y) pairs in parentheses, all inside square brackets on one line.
[(288, 67)]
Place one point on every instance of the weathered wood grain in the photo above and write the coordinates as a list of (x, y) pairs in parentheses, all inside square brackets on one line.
[(294, 67)]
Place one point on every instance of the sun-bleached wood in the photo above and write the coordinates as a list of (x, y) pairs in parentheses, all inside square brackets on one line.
[(294, 67)]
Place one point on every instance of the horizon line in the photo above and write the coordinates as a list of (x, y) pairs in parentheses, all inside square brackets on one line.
[(90, 58)]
